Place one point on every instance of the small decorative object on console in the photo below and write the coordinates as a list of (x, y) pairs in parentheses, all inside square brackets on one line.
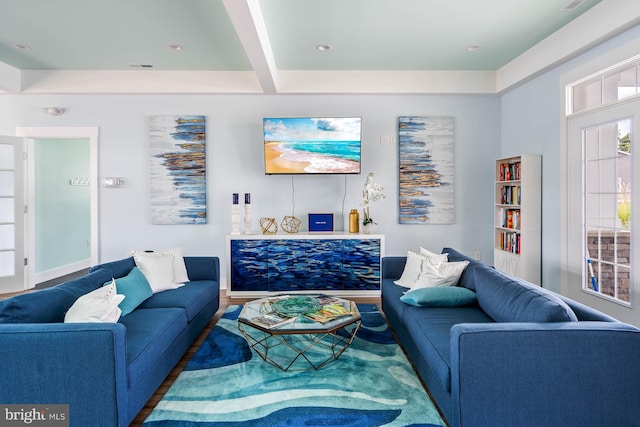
[(290, 224), (268, 225), (371, 193), (247, 213), (354, 221), (235, 216), (320, 222)]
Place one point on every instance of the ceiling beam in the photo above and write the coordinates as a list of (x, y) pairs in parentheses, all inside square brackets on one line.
[(246, 17), (139, 81), (10, 78), (600, 23)]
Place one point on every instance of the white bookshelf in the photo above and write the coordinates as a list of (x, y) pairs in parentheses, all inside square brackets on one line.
[(517, 213)]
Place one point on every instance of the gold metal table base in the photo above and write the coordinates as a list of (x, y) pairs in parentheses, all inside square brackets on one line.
[(317, 348)]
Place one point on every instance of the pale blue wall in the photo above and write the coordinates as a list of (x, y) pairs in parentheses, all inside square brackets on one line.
[(62, 211), (526, 119), (531, 119), (235, 164)]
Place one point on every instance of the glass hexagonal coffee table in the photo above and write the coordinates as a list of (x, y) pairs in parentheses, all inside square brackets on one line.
[(299, 332)]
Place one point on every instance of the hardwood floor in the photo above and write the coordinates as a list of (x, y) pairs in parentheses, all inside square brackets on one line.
[(224, 303)]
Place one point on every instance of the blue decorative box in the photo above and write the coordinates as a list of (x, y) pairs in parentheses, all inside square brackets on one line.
[(320, 222)]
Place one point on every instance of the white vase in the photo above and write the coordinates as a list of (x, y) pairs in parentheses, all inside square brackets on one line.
[(366, 229)]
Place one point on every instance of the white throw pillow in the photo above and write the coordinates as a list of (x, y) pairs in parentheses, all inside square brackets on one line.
[(413, 265), (437, 258), (100, 305), (179, 267), (411, 270), (158, 268), (439, 274)]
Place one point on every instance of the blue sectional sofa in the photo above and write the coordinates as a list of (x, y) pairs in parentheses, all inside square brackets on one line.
[(519, 356), (106, 372)]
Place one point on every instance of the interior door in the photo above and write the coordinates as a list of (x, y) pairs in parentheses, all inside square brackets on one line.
[(12, 214)]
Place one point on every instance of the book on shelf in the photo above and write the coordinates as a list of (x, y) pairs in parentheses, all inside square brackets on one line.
[(509, 242), (272, 320), (509, 218), (329, 312), (509, 171), (510, 195)]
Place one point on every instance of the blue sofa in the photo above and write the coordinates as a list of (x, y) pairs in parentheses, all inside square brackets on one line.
[(520, 356), (106, 372)]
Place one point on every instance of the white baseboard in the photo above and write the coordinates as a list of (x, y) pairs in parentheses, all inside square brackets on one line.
[(45, 276)]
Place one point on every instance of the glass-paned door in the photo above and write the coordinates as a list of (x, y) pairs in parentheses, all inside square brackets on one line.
[(11, 214), (607, 209), (603, 209)]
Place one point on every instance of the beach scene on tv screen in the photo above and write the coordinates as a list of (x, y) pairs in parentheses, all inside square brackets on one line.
[(312, 145)]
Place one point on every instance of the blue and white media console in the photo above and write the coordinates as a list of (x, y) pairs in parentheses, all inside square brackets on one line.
[(345, 264)]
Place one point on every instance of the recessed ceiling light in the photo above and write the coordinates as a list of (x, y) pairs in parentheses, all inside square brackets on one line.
[(175, 47), (324, 47), (573, 4), (22, 46), (474, 48)]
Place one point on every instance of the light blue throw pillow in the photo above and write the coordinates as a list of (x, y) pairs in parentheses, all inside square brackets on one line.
[(445, 296), (136, 289)]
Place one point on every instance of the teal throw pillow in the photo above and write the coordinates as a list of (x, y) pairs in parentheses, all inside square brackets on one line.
[(445, 296), (135, 287)]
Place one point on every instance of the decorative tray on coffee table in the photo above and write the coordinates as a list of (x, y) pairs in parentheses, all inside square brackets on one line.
[(296, 305)]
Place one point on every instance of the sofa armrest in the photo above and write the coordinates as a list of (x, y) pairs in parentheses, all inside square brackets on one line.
[(203, 268), (79, 364), (393, 266), (525, 374)]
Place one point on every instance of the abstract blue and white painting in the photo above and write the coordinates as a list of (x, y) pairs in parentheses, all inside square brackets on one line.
[(426, 170), (178, 169)]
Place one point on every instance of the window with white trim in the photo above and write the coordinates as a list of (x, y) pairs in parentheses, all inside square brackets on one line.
[(603, 111)]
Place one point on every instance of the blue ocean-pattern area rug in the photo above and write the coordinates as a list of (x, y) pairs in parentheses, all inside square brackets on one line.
[(227, 384)]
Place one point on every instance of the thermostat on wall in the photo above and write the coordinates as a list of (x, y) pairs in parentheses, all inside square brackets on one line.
[(320, 222)]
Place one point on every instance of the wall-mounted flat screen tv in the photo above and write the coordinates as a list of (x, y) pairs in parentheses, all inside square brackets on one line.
[(312, 145)]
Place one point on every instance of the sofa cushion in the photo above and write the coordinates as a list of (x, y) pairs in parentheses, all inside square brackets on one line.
[(430, 330), (192, 297), (99, 306), (135, 287), (447, 296), (50, 305), (508, 299), (149, 334)]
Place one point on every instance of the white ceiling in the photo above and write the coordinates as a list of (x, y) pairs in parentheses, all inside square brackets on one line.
[(269, 46)]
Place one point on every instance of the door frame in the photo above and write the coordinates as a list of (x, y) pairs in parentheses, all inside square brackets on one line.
[(572, 285), (16, 282), (90, 133)]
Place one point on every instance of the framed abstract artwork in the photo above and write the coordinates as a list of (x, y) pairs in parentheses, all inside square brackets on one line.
[(177, 148), (426, 170)]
